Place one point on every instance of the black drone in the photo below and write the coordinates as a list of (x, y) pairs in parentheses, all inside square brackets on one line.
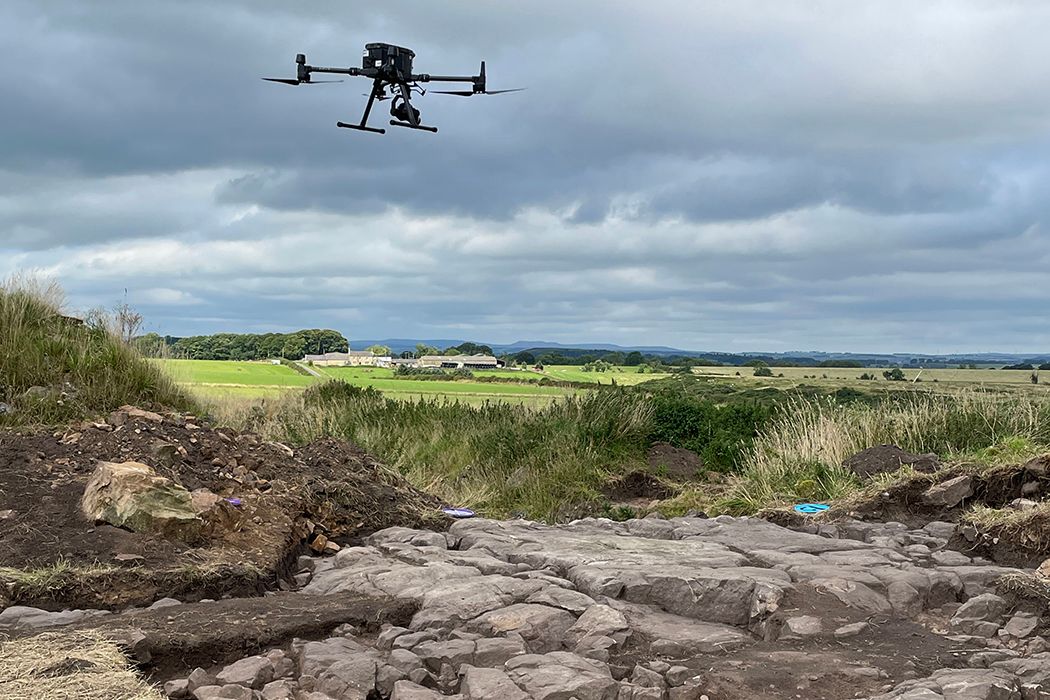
[(390, 67)]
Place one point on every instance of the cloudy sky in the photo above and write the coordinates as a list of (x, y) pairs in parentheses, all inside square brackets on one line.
[(723, 175)]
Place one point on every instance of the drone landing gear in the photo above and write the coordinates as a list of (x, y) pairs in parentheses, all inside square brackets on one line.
[(361, 127), (418, 127)]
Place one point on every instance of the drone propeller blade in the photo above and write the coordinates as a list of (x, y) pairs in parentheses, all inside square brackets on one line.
[(293, 81), (471, 93)]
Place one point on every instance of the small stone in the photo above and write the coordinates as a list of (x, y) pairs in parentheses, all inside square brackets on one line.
[(253, 672), (178, 689), (1021, 625), (678, 675), (278, 690), (1023, 504), (950, 493), (319, 543), (801, 627), (647, 678), (851, 630), (199, 677)]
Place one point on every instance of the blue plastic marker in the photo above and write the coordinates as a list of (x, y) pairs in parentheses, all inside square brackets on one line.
[(811, 508), (458, 512)]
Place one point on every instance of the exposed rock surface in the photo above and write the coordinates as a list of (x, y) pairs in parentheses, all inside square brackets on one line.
[(725, 608)]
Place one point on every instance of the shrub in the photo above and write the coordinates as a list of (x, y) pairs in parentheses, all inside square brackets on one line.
[(894, 375), (435, 373), (720, 434), (763, 372)]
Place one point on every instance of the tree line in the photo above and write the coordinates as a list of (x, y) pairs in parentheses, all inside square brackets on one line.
[(244, 346)]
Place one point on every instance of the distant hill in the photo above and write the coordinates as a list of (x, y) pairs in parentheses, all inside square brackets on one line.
[(802, 357)]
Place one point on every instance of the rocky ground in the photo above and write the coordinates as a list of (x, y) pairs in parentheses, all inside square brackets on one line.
[(726, 608)]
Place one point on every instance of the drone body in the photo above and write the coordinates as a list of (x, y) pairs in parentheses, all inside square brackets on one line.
[(390, 68)]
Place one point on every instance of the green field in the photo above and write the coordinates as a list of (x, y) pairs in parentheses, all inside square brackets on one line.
[(228, 373), (838, 376), (223, 379), (623, 376), (385, 381)]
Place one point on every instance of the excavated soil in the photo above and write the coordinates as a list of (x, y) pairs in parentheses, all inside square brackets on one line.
[(285, 496), (677, 462)]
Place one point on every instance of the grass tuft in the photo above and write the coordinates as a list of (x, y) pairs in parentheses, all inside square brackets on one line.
[(56, 369)]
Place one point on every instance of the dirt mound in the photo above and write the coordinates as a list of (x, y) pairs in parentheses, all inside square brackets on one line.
[(889, 458), (638, 489), (270, 500), (677, 462)]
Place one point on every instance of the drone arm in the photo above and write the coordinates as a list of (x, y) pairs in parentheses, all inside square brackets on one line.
[(341, 71), (427, 78)]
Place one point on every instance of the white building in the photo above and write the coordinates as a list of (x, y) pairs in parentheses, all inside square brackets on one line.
[(353, 358)]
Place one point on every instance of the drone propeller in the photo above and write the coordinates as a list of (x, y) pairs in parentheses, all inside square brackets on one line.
[(294, 81), (471, 93)]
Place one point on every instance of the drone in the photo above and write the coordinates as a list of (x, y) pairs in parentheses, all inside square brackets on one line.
[(390, 68)]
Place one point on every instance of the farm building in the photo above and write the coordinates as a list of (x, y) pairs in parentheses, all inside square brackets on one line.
[(354, 358), (460, 361)]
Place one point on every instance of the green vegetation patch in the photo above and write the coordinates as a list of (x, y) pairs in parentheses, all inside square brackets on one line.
[(56, 369)]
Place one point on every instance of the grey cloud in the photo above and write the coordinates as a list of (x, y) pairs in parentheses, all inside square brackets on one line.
[(734, 175)]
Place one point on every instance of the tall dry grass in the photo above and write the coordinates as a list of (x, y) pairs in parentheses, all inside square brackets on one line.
[(799, 456), (55, 369), (69, 666)]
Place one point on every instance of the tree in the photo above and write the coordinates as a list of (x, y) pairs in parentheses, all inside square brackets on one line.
[(424, 349), (763, 372), (633, 359), (894, 375), (1020, 365), (525, 357), (294, 348), (469, 348), (379, 350)]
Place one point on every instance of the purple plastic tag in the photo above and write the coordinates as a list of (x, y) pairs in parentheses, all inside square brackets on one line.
[(458, 512)]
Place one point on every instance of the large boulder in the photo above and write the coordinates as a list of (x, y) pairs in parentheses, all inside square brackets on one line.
[(131, 495), (889, 458)]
